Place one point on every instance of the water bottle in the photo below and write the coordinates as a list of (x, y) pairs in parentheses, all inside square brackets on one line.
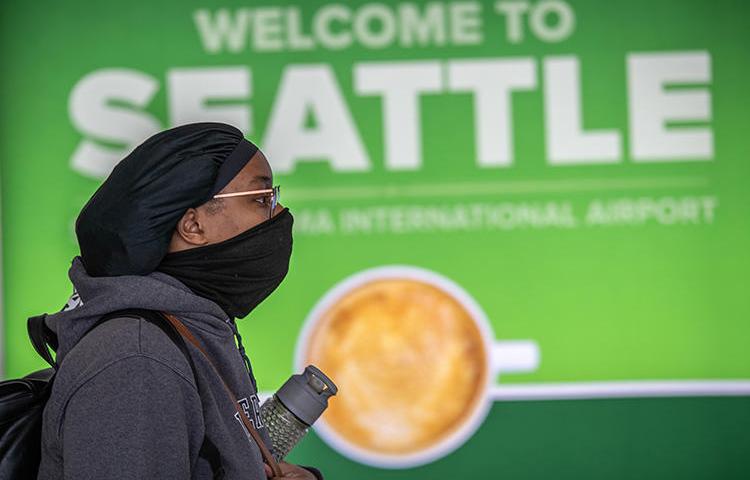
[(289, 413)]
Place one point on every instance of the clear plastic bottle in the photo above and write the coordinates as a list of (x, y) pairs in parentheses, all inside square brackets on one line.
[(289, 413)]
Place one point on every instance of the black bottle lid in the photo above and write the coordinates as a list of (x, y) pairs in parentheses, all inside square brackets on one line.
[(306, 394)]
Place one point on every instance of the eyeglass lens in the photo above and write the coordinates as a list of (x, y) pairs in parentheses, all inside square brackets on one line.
[(274, 201)]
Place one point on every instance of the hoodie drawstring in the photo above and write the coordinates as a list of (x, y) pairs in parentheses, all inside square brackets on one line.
[(241, 348)]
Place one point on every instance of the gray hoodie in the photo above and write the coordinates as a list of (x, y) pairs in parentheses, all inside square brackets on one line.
[(125, 403)]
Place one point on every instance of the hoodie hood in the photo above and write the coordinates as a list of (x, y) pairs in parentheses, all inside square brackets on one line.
[(94, 297)]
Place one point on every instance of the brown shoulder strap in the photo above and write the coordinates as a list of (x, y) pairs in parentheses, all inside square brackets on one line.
[(188, 335)]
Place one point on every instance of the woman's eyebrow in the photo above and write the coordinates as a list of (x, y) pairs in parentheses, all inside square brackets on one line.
[(264, 180)]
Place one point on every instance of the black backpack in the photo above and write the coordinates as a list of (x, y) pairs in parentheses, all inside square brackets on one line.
[(22, 400)]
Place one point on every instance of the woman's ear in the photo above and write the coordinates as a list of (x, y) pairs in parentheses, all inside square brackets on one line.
[(190, 230)]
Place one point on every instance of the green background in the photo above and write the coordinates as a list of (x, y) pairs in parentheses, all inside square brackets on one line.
[(645, 302)]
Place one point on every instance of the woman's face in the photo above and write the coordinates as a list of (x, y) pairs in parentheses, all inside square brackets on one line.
[(223, 218)]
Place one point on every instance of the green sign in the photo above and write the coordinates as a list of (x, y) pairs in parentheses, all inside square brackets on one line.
[(507, 213)]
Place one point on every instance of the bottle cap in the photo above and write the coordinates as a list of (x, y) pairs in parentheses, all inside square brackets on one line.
[(306, 394)]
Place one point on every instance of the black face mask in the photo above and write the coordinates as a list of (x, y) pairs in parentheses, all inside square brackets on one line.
[(238, 273)]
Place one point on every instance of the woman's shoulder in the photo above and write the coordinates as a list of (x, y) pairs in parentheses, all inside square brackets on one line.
[(118, 345), (123, 377)]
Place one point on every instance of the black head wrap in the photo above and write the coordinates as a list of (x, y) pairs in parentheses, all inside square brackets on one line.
[(126, 226)]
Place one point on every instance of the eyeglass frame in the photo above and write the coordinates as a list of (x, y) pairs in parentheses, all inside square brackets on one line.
[(274, 192)]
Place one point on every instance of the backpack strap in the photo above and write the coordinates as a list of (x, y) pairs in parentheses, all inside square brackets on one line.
[(41, 336)]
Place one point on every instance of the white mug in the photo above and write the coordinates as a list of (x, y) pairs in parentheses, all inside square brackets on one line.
[(501, 357)]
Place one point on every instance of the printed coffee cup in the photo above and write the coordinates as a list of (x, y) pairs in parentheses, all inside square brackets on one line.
[(414, 357)]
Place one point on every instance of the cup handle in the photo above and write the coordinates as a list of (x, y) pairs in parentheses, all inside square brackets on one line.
[(515, 356)]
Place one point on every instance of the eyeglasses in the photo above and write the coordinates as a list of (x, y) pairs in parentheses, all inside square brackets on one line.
[(269, 195)]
